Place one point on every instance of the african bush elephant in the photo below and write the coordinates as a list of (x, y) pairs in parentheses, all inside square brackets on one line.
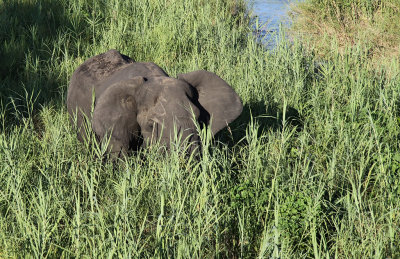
[(128, 101)]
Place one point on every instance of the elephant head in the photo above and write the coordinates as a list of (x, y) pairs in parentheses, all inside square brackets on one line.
[(135, 100)]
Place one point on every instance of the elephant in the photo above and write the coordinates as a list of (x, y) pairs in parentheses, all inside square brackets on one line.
[(134, 104)]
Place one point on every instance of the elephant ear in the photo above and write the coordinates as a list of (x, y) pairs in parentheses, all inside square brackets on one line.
[(216, 96), (115, 116), (84, 79)]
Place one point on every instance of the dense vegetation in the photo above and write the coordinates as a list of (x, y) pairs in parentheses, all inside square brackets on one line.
[(371, 25), (310, 169)]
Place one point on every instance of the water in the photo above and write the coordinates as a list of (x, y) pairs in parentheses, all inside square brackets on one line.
[(270, 14)]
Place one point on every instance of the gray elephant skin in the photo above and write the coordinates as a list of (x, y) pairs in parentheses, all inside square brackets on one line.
[(135, 103)]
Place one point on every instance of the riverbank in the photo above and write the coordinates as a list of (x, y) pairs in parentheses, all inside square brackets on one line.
[(331, 26), (310, 168)]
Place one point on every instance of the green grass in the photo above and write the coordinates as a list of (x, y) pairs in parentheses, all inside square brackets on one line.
[(371, 25), (310, 169)]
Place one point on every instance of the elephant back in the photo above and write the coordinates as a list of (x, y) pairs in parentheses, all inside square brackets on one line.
[(98, 68)]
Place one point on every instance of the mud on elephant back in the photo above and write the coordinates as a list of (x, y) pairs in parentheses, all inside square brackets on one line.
[(133, 104)]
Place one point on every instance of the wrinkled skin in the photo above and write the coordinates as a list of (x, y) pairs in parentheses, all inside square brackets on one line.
[(133, 100)]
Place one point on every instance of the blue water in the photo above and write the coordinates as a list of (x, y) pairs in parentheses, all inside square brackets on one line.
[(270, 15)]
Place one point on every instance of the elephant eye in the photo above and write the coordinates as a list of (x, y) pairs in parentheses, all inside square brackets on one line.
[(150, 124)]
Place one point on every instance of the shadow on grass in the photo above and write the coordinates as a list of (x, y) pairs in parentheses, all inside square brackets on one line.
[(267, 118), (33, 37), (26, 27)]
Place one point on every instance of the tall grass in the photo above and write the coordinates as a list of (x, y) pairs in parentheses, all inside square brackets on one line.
[(372, 25), (348, 6), (310, 169)]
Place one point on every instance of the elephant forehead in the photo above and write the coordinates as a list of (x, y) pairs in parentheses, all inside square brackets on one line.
[(171, 85), (165, 110), (175, 107)]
